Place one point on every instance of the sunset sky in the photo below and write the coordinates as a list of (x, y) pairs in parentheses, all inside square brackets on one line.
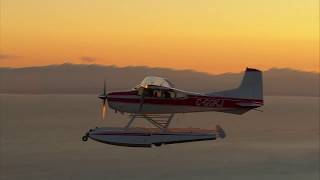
[(213, 36)]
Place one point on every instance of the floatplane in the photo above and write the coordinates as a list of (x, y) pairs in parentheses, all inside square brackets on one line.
[(157, 100)]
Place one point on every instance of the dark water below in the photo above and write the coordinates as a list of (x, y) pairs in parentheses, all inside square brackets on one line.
[(41, 139)]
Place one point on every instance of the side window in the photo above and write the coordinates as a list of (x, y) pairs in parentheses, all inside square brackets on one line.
[(156, 93), (145, 91), (173, 94), (180, 95), (166, 94), (140, 91)]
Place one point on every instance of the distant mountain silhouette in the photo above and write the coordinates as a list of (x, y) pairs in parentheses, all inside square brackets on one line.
[(75, 78)]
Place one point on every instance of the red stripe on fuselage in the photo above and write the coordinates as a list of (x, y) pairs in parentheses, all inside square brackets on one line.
[(203, 101)]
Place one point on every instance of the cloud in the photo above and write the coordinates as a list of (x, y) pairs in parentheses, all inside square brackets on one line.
[(88, 59), (8, 56)]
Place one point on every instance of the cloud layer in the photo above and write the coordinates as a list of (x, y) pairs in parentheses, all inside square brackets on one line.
[(88, 59), (8, 56)]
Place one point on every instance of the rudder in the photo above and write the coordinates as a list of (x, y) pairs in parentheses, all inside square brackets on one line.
[(251, 87)]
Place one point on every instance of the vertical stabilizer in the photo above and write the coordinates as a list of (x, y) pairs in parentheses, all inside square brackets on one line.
[(250, 88)]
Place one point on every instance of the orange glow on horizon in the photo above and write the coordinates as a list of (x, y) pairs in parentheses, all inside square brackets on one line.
[(208, 36)]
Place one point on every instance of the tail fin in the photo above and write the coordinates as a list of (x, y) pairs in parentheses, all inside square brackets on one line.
[(250, 87)]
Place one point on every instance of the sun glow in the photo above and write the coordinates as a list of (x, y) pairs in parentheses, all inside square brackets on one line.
[(211, 36)]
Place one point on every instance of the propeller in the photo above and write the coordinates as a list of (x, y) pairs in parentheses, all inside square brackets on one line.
[(103, 96)]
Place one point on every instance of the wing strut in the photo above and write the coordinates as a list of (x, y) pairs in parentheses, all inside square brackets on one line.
[(130, 122), (161, 121)]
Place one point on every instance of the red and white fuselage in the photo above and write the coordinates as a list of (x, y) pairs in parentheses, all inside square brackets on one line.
[(129, 102), (154, 97)]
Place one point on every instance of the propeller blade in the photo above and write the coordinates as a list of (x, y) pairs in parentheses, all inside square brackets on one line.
[(104, 110), (103, 96), (104, 87)]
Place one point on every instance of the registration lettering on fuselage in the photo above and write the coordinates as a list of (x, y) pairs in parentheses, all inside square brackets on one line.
[(209, 102)]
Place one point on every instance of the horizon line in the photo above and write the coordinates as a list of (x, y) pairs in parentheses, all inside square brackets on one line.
[(155, 67)]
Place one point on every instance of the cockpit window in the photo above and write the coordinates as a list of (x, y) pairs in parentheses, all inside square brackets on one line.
[(140, 91), (160, 93), (145, 91), (156, 93), (180, 95), (166, 94), (172, 94)]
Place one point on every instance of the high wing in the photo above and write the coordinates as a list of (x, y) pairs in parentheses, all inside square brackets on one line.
[(156, 81)]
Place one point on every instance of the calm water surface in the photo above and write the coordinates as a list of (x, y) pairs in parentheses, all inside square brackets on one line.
[(41, 139)]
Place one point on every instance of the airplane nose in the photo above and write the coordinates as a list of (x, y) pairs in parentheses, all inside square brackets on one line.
[(103, 96)]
